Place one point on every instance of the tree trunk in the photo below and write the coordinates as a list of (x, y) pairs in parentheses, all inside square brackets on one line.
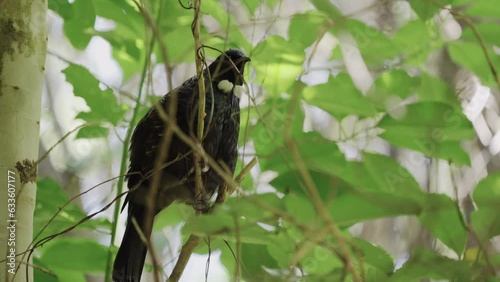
[(23, 46)]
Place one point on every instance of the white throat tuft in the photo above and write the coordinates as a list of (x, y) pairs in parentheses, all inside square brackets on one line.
[(239, 90), (225, 86)]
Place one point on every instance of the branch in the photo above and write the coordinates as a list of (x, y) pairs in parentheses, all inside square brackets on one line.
[(59, 142), (195, 28), (192, 242), (186, 251), (311, 186), (165, 143)]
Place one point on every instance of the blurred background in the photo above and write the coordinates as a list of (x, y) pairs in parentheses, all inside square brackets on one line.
[(382, 47)]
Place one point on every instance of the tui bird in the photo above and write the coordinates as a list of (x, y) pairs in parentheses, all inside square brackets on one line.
[(223, 78)]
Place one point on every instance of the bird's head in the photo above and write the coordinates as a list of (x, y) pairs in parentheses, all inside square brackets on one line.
[(229, 66)]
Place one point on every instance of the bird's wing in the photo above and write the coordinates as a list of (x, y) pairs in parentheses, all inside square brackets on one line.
[(144, 141), (228, 152)]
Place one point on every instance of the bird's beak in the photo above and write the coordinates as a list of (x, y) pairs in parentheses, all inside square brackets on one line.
[(246, 59)]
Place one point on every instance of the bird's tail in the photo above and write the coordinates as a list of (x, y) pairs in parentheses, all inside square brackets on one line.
[(132, 253)]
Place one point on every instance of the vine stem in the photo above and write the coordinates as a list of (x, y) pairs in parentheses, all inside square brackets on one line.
[(199, 189)]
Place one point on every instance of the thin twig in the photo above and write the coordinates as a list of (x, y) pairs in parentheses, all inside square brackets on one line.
[(48, 238), (124, 157), (199, 189), (165, 143), (309, 182), (189, 246), (199, 150), (477, 34), (238, 250), (221, 197), (186, 251), (321, 209), (59, 142), (199, 68), (155, 183), (305, 247), (185, 254)]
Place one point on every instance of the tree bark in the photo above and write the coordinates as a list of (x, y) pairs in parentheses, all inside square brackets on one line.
[(23, 46)]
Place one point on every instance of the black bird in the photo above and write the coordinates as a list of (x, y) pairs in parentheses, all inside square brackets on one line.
[(223, 78)]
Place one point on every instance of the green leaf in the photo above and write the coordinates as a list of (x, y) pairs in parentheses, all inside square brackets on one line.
[(487, 192), (40, 275), (320, 261), (103, 104), (92, 131), (415, 42), (320, 155), (483, 9), (487, 30), (87, 255), (224, 227), (274, 64), (428, 264), (282, 249), (323, 156), (68, 275), (434, 129), (79, 27), (254, 258), (210, 224), (358, 206), (486, 220), (245, 207), (123, 13), (50, 200), (391, 87), (391, 177), (431, 120), (267, 133), (286, 182), (433, 89), (396, 85), (358, 196), (306, 28), (426, 10), (374, 255), (471, 56), (178, 53), (127, 37), (126, 51), (495, 259), (339, 97), (327, 7), (375, 47), (176, 213), (251, 5), (486, 223), (227, 23), (63, 8), (442, 218), (301, 208)]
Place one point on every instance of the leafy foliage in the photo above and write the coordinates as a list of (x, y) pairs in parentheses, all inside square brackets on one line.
[(284, 233), (54, 213)]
